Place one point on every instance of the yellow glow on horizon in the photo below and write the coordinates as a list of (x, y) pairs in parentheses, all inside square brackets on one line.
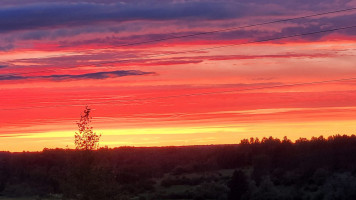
[(176, 136), (136, 131)]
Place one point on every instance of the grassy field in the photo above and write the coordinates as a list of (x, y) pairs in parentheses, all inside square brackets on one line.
[(172, 186), (189, 183)]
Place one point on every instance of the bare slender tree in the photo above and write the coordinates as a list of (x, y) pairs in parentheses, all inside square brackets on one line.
[(86, 138)]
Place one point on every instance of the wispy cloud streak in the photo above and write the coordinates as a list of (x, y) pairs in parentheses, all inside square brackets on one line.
[(62, 77)]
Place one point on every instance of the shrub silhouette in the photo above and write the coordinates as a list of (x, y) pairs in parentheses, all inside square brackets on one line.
[(86, 138), (238, 185)]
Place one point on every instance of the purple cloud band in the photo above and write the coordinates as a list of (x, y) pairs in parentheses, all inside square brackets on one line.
[(63, 77), (37, 14), (60, 20), (73, 14)]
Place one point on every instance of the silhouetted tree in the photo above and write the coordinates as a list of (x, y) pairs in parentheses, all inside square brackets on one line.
[(85, 138)]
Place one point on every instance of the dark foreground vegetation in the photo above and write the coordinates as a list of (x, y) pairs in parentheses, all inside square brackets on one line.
[(255, 169)]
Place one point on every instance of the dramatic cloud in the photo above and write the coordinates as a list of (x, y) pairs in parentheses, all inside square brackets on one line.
[(58, 55), (72, 61), (74, 14), (304, 26), (96, 75), (51, 20)]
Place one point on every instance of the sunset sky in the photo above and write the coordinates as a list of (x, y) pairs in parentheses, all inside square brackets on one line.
[(147, 89)]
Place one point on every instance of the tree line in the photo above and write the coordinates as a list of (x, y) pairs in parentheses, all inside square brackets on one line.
[(267, 167)]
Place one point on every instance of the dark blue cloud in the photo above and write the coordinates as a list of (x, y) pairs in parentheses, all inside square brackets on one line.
[(291, 3), (96, 75), (301, 26), (62, 18), (35, 16)]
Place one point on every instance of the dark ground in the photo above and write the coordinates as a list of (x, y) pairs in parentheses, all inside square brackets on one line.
[(268, 169)]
